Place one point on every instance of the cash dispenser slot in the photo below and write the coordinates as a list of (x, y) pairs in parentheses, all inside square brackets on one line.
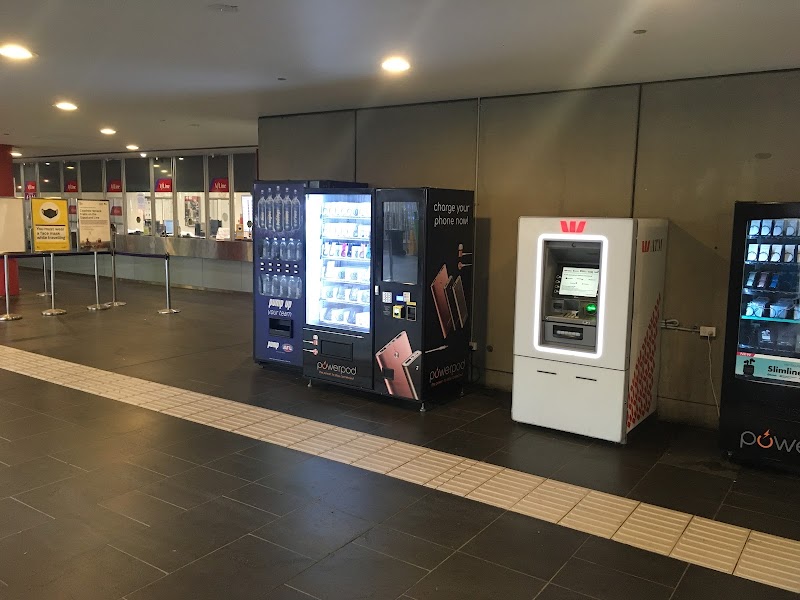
[(281, 327)]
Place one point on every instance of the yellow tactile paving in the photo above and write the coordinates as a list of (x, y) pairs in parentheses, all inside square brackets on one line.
[(653, 528), (757, 556), (771, 560), (506, 488), (426, 467), (599, 514), (551, 501), (711, 544)]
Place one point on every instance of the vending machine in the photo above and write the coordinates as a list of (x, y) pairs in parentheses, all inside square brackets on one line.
[(392, 272), (587, 323), (279, 268), (760, 400)]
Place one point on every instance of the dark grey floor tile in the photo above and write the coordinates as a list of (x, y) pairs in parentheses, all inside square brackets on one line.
[(192, 534), (209, 447), (684, 490), (382, 412), (285, 592), (243, 467), (537, 453), (244, 569), (159, 462), (607, 584), (194, 487), (759, 521), (462, 576), (49, 397), (58, 440), (16, 517), (272, 501), (497, 424), (142, 507), (443, 519), (312, 478), (467, 444), (602, 473), (374, 497), (768, 484), (556, 592), (639, 563), (276, 458), (419, 429), (357, 572), (527, 545), (126, 421), (98, 574), (403, 546), (705, 584), (110, 450), (94, 408), (32, 474), (71, 496), (776, 508), (698, 450), (30, 425), (353, 423), (314, 530), (12, 412)]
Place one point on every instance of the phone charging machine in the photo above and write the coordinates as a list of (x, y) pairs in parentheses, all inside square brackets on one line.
[(587, 323)]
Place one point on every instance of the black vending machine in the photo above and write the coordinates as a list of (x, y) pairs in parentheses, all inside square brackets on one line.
[(760, 402), (279, 268), (395, 291)]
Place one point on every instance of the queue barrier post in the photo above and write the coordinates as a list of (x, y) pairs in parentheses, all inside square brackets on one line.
[(168, 310), (53, 311), (45, 293), (97, 306), (8, 316)]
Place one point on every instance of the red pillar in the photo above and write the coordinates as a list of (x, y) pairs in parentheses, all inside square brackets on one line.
[(7, 190)]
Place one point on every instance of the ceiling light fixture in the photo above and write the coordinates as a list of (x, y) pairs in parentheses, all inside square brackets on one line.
[(163, 170), (180, 158), (132, 147), (156, 165), (143, 154), (64, 105), (395, 64), (16, 154), (70, 167), (15, 52), (639, 31), (46, 180), (281, 78), (108, 131)]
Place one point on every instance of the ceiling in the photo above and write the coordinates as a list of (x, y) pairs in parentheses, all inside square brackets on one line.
[(175, 74)]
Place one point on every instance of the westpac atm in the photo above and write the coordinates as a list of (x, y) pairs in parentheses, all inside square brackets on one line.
[(587, 323)]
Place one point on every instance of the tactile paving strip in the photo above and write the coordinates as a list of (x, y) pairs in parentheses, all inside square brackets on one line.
[(757, 556)]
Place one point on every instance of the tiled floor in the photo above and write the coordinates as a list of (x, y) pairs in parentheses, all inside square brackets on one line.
[(96, 489)]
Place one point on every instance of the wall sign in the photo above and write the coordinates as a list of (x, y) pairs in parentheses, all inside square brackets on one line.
[(71, 186), (115, 185), (50, 225), (12, 225), (30, 187), (94, 225), (164, 185), (220, 184)]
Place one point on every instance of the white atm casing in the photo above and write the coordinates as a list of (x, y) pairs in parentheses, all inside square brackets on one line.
[(602, 393)]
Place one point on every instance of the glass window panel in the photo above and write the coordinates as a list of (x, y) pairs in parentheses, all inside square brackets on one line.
[(50, 178), (70, 173), (114, 192), (191, 196), (91, 176), (400, 242), (137, 195), (137, 174), (164, 217), (218, 196), (244, 175)]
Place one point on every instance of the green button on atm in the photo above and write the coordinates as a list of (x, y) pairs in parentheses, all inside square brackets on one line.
[(590, 309)]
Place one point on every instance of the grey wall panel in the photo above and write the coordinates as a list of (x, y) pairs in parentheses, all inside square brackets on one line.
[(697, 146), (429, 145), (316, 146), (569, 154)]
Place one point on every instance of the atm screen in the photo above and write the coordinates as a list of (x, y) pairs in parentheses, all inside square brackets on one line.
[(579, 281)]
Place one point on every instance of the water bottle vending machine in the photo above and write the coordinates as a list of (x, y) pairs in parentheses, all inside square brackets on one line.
[(279, 268)]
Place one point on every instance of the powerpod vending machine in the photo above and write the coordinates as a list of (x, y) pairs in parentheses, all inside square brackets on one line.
[(587, 323), (389, 290), (760, 402)]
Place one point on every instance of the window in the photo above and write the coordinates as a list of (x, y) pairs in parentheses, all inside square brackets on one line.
[(137, 196), (400, 242), (191, 196), (219, 206), (91, 176), (244, 174), (164, 218), (114, 192), (50, 178)]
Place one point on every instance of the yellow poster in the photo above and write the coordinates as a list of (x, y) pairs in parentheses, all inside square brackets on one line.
[(50, 225)]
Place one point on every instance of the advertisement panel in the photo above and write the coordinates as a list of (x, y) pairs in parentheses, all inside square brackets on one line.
[(12, 225), (50, 225), (94, 225)]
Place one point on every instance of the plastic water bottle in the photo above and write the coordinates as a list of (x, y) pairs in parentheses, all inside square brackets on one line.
[(296, 212), (261, 212), (292, 289), (264, 284), (274, 249), (278, 218), (270, 222), (299, 290), (284, 287), (290, 250), (275, 288), (298, 251), (282, 254), (287, 213)]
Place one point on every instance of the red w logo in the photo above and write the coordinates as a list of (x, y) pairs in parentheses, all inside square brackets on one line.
[(573, 226), (645, 245)]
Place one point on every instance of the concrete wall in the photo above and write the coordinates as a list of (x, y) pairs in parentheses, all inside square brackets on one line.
[(578, 154)]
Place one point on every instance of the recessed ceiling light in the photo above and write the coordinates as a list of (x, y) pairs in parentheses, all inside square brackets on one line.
[(16, 154), (180, 158), (143, 154), (132, 147), (163, 170), (395, 64), (66, 106), (70, 167), (47, 164), (108, 131), (639, 31), (15, 52), (281, 78), (156, 165), (46, 180)]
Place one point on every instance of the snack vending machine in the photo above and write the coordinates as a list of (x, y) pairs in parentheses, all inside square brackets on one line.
[(395, 291), (587, 323), (279, 268), (760, 401)]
